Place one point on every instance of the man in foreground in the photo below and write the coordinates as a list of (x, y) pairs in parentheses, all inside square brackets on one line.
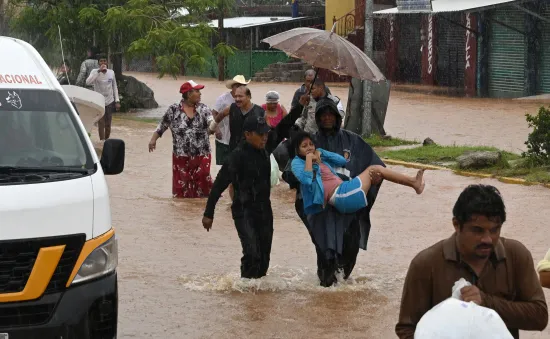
[(337, 237), (501, 271)]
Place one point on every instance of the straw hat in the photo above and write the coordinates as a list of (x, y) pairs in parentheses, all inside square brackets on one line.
[(238, 79)]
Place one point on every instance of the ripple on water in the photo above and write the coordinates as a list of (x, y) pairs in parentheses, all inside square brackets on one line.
[(284, 279)]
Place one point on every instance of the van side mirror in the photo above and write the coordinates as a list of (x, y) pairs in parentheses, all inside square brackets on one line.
[(112, 158)]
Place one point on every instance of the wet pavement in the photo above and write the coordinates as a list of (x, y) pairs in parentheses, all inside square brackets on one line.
[(178, 281)]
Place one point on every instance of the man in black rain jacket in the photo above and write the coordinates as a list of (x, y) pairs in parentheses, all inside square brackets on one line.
[(337, 237), (248, 168)]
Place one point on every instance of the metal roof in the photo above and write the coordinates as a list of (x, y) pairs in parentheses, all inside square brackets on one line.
[(252, 21), (444, 6)]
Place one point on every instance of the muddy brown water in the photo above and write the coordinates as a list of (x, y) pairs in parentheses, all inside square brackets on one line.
[(178, 281)]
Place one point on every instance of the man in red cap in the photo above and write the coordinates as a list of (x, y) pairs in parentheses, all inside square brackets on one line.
[(190, 122)]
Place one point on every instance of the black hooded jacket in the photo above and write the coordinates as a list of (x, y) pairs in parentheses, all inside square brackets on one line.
[(328, 227)]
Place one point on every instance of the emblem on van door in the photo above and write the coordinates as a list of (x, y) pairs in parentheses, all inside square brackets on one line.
[(14, 99)]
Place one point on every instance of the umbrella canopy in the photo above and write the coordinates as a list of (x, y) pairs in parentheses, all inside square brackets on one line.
[(328, 50)]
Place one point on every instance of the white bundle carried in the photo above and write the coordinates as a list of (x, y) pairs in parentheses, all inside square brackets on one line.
[(456, 319), (274, 171)]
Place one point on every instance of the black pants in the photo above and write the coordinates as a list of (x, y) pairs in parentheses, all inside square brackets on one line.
[(328, 264), (255, 230), (104, 124)]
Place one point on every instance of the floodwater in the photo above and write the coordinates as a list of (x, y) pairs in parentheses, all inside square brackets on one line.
[(447, 120), (178, 281)]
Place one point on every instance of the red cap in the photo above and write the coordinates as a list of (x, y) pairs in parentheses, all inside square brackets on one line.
[(189, 85)]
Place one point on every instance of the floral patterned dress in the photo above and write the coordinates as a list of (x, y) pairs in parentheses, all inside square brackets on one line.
[(191, 151)]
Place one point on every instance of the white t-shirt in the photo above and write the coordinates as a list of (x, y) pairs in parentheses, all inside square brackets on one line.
[(104, 83), (224, 101)]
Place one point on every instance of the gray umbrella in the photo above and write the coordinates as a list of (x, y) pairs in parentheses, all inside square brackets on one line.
[(328, 50)]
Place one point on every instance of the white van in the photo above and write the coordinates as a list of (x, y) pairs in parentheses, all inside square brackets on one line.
[(58, 249)]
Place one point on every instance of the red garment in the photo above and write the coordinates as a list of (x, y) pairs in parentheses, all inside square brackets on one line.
[(274, 121), (191, 176)]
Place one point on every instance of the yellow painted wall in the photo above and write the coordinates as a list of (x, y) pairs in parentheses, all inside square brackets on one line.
[(336, 8)]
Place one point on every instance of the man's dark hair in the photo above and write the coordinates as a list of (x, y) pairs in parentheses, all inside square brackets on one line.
[(100, 56), (482, 200), (298, 138), (94, 51), (319, 83)]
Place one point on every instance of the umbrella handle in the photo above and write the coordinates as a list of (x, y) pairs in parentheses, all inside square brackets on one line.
[(310, 87)]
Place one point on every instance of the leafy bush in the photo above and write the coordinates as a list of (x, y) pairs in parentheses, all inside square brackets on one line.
[(538, 142)]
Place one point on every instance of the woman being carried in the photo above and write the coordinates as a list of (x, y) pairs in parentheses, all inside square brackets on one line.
[(320, 184)]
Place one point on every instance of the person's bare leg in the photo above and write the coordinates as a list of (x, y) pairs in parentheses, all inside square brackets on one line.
[(231, 192), (416, 182)]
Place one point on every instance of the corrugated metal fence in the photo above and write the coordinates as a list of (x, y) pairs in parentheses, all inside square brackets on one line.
[(246, 63)]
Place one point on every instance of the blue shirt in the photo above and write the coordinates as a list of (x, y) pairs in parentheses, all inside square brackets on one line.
[(311, 185)]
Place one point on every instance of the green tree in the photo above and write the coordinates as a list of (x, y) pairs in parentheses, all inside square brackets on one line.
[(132, 28)]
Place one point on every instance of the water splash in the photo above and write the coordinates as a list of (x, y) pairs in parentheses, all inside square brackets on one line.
[(284, 279)]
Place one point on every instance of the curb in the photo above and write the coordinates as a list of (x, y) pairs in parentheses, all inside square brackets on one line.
[(416, 165), (506, 180)]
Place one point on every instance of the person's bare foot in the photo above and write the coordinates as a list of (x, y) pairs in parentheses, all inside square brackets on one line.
[(419, 183)]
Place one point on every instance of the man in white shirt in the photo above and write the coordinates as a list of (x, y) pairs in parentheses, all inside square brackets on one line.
[(318, 92), (222, 131), (104, 82)]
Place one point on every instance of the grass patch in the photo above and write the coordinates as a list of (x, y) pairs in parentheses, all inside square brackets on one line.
[(512, 165), (436, 154), (139, 119), (378, 141)]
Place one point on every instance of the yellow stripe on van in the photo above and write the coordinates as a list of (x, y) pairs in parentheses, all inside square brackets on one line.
[(41, 274), (89, 247)]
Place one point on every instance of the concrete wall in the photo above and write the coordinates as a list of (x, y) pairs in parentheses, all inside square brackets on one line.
[(337, 8)]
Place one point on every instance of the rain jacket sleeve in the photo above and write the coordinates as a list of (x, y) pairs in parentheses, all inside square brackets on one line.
[(296, 99), (282, 131), (298, 169), (228, 173), (333, 159)]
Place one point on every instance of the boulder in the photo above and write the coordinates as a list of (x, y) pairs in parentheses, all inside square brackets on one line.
[(428, 141), (479, 159), (136, 94)]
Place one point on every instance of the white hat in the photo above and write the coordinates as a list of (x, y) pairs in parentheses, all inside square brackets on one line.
[(238, 79)]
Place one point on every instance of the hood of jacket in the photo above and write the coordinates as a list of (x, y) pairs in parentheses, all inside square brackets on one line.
[(322, 105)]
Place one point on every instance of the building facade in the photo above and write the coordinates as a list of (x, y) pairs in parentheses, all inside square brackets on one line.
[(501, 51)]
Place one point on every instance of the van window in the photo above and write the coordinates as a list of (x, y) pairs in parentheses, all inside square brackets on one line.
[(38, 130)]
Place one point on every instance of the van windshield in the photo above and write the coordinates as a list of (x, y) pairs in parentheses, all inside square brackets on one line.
[(39, 133)]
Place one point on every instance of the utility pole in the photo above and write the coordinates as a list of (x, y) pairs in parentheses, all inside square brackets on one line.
[(366, 129)]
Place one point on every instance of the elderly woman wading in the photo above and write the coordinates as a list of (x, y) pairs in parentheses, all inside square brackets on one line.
[(190, 123)]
